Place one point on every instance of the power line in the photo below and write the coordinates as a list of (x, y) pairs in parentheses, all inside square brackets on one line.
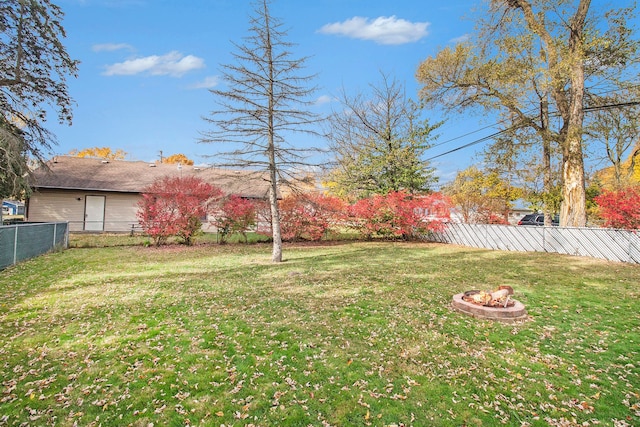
[(509, 129), (478, 141), (610, 106), (553, 115)]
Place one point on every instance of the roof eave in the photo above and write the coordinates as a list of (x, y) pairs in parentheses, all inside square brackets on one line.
[(57, 187)]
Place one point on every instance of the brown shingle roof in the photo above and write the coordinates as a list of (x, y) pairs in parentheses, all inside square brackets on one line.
[(76, 173)]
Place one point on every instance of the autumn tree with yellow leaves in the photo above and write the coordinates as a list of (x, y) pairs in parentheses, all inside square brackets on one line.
[(179, 158), (482, 197), (100, 153)]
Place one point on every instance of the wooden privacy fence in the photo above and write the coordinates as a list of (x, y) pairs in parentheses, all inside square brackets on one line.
[(605, 243)]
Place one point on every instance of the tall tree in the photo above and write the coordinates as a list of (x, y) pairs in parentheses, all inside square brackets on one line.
[(378, 142), (265, 103), (530, 63), (34, 66)]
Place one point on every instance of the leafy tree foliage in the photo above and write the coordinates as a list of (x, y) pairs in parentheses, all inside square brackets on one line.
[(13, 165), (530, 59), (178, 159), (620, 208), (398, 214), (264, 104), (616, 130), (628, 171), (235, 215), (174, 206), (100, 153), (34, 66), (482, 197), (379, 144)]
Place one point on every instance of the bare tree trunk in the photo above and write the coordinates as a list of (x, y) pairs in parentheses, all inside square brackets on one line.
[(276, 234), (573, 212)]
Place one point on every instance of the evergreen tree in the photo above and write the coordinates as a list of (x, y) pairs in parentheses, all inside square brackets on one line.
[(34, 66)]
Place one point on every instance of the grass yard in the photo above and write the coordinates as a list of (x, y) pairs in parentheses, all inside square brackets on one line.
[(351, 334)]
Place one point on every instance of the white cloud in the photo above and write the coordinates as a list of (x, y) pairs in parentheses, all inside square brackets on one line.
[(172, 64), (324, 99), (110, 47), (207, 83), (462, 39), (382, 30)]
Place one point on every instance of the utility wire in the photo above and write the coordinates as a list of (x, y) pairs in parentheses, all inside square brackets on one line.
[(609, 106), (509, 129), (535, 109), (477, 141)]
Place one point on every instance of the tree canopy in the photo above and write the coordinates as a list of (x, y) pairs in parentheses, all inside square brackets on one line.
[(379, 142), (100, 153), (13, 165), (482, 197), (34, 66), (534, 62), (614, 130), (178, 158)]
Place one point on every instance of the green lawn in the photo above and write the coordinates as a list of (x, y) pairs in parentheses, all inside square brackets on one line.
[(351, 334)]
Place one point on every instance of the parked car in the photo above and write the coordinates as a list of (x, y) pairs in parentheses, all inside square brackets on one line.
[(537, 219)]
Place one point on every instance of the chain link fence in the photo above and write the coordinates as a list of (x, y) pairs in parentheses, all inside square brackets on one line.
[(24, 241)]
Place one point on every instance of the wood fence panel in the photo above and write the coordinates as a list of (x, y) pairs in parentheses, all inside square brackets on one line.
[(604, 243)]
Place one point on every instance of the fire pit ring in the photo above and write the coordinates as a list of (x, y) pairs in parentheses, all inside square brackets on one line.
[(513, 312)]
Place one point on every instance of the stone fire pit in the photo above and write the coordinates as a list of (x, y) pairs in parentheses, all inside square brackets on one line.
[(495, 305)]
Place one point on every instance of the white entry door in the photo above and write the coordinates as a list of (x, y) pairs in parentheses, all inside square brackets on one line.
[(94, 213)]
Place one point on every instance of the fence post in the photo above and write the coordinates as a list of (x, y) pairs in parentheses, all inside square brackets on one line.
[(15, 244)]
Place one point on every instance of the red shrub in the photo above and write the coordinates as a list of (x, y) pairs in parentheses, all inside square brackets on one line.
[(309, 216), (399, 214), (620, 209), (235, 215), (174, 207)]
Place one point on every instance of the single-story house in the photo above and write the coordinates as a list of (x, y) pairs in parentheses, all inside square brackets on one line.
[(102, 195), (12, 207), (518, 210)]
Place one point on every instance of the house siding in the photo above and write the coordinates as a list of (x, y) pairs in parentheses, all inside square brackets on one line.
[(59, 205), (121, 211)]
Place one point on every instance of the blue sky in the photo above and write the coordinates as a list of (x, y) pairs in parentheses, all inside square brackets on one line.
[(146, 65)]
